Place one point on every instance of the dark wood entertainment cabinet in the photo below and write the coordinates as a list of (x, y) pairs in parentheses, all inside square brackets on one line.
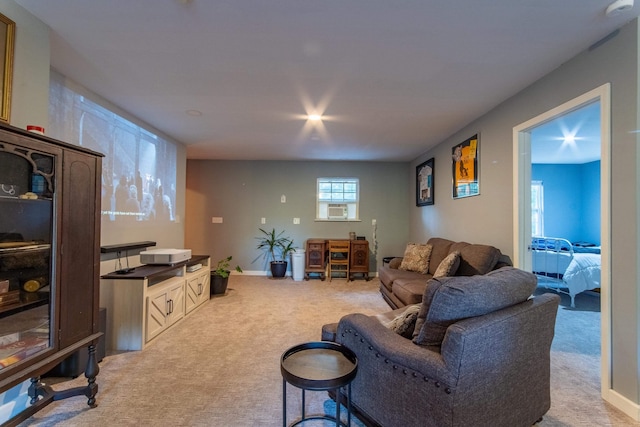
[(49, 262)]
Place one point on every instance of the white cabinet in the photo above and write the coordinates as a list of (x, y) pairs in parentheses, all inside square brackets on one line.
[(165, 306), (197, 289), (147, 301)]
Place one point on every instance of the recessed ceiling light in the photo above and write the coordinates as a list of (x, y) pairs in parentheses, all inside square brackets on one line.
[(194, 113), (315, 117)]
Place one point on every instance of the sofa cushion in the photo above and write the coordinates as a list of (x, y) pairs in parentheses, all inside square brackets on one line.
[(404, 323), (477, 259), (449, 265), (409, 290), (439, 251), (389, 275), (416, 258), (329, 332), (447, 300)]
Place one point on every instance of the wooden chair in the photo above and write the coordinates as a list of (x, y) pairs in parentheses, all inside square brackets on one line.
[(339, 257)]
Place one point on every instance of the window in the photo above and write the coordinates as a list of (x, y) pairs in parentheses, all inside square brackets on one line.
[(537, 208), (337, 199)]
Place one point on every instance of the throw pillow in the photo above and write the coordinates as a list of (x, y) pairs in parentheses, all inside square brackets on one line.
[(405, 322), (447, 300), (416, 258), (449, 265), (477, 259)]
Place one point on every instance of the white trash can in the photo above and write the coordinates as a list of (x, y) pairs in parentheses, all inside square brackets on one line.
[(297, 264)]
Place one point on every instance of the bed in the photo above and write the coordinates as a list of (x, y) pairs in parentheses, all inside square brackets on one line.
[(566, 267)]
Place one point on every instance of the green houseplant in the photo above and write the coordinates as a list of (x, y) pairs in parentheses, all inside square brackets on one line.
[(275, 247), (220, 276)]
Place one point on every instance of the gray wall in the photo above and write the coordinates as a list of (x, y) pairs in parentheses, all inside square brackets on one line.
[(488, 218), (242, 192), (30, 88)]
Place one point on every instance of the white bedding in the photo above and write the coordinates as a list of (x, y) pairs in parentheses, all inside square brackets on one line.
[(577, 272), (550, 262), (583, 273)]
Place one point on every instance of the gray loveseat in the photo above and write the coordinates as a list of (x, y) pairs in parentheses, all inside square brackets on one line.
[(479, 355), (401, 287)]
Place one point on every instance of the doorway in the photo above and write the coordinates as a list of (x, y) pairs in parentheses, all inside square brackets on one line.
[(522, 176)]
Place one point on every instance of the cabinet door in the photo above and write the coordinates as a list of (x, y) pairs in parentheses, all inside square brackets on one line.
[(359, 255), (158, 310), (79, 260), (206, 287), (176, 303), (194, 290)]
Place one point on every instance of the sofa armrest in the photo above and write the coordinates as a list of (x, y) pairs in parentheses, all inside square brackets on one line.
[(395, 262), (363, 333)]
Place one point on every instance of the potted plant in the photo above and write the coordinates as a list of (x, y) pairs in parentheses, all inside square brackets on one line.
[(274, 244), (220, 276)]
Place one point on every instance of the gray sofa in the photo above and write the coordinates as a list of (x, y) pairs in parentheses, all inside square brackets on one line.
[(400, 287), (479, 355)]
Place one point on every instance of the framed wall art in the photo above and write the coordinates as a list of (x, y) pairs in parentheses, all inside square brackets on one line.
[(7, 32), (464, 168), (424, 183)]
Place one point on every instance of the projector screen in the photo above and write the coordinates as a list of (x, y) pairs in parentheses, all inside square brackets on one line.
[(139, 168)]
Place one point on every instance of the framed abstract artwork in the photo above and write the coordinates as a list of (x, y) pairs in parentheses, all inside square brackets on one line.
[(464, 168), (424, 183)]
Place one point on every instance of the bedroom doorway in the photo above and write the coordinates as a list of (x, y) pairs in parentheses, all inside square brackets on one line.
[(523, 138)]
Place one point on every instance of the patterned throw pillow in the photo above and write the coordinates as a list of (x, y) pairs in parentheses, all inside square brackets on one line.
[(416, 258), (449, 265), (404, 323)]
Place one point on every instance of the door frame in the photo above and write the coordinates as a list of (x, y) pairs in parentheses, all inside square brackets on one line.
[(522, 209)]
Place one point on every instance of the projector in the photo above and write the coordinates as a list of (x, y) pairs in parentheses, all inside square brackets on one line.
[(165, 256)]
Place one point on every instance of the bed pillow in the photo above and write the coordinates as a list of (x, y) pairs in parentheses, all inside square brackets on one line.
[(416, 258), (447, 300), (449, 265)]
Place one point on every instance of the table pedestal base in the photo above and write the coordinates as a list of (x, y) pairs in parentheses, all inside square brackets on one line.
[(305, 417)]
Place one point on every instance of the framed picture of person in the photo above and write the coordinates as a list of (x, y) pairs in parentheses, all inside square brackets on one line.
[(464, 168), (424, 183)]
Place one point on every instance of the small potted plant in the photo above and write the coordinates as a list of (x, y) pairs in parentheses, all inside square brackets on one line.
[(275, 247), (220, 276)]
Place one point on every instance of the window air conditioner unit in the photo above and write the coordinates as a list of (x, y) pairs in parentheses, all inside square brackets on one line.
[(337, 211)]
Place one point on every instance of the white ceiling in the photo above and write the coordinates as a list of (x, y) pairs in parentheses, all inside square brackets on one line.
[(571, 138), (392, 78)]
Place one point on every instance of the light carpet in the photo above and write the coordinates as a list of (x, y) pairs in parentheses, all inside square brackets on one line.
[(220, 366)]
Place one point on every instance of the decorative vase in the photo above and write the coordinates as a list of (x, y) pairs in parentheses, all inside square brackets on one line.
[(278, 269), (218, 284)]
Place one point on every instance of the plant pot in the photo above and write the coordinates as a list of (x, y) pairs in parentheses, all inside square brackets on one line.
[(278, 269), (218, 284)]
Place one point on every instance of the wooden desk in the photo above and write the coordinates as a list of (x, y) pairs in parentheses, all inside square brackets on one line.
[(316, 255)]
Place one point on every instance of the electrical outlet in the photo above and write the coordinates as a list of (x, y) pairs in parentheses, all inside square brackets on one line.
[(263, 220), (373, 222), (283, 199), (216, 220), (296, 221)]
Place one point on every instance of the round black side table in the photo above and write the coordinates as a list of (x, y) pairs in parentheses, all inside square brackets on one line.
[(318, 366)]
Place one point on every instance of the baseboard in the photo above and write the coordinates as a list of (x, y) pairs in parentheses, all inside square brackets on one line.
[(630, 408)]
